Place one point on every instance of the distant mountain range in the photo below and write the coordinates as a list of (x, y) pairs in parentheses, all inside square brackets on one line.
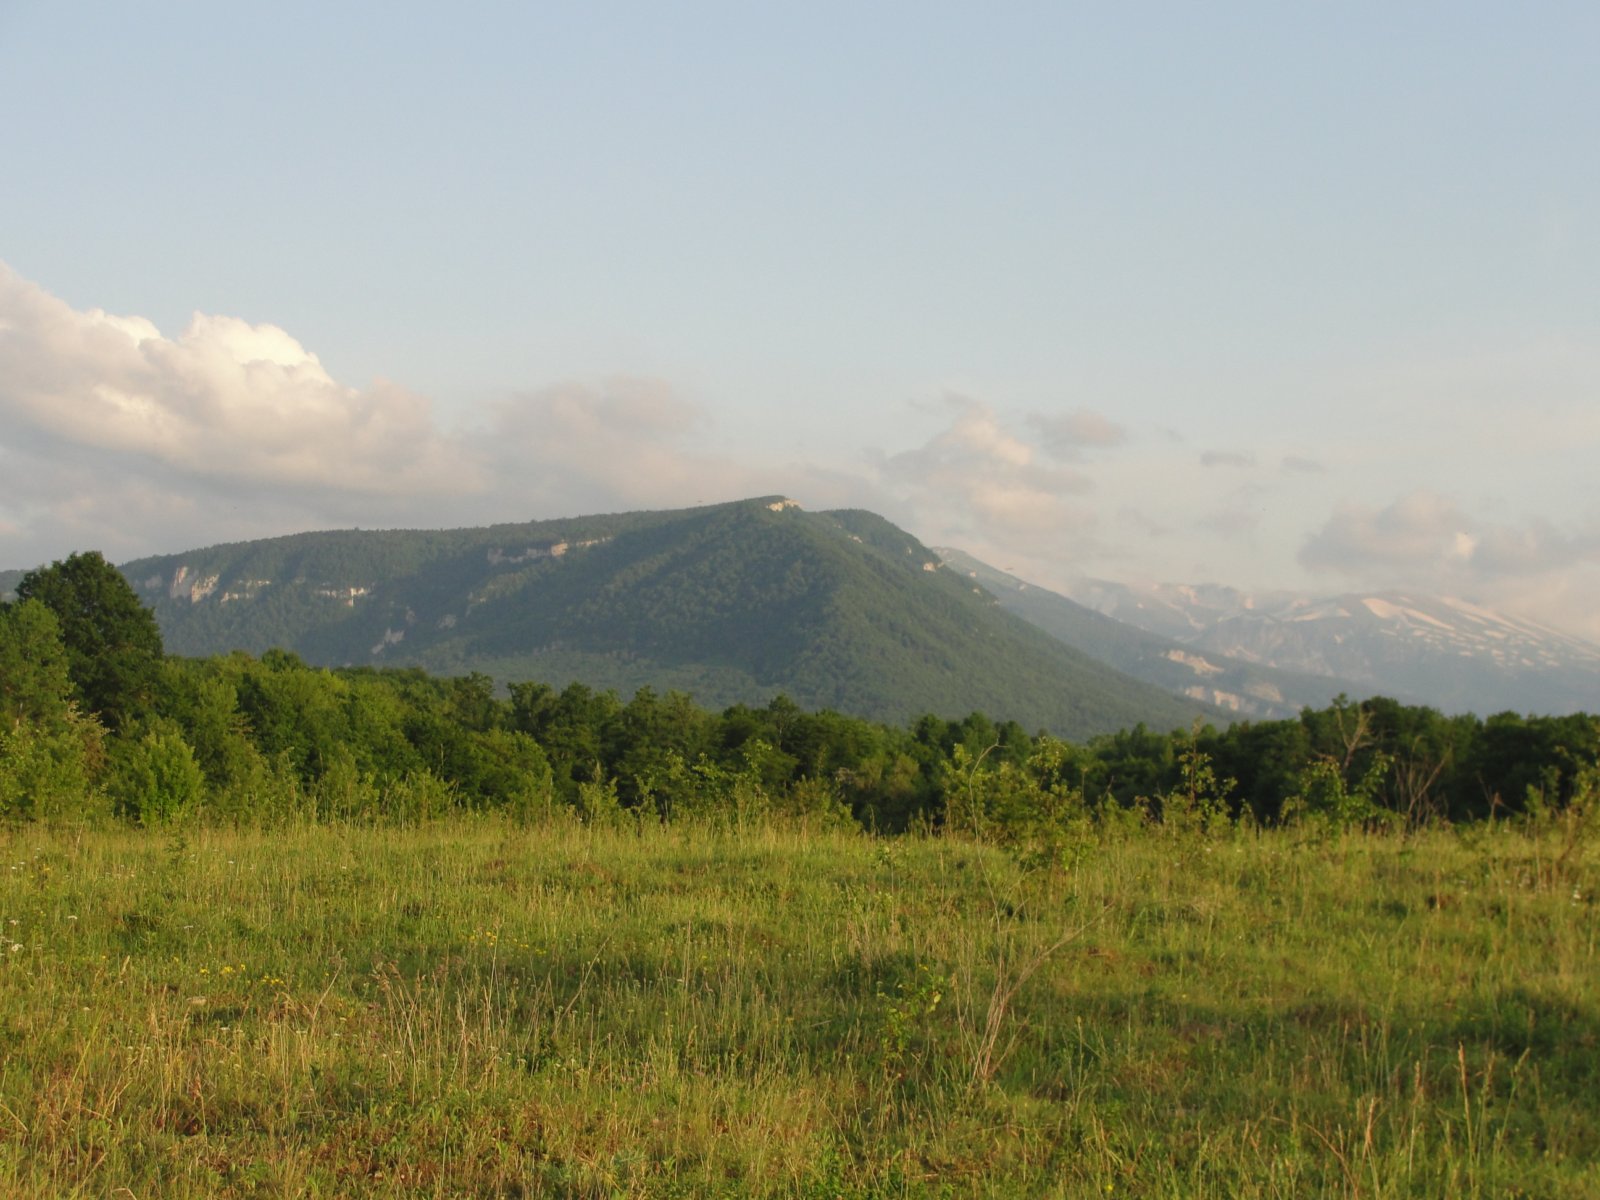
[(1247, 688), (739, 602), (731, 603), (1447, 653)]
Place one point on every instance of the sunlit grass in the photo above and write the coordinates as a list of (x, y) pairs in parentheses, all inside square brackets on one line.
[(477, 1009)]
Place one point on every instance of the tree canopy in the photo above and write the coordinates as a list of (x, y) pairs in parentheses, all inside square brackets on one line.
[(112, 643)]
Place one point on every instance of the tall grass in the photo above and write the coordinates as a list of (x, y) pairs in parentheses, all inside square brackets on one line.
[(476, 1009)]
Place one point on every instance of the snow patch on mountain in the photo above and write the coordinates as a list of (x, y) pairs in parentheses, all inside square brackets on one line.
[(1444, 651)]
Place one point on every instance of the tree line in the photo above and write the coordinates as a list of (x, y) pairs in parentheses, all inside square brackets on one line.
[(96, 720)]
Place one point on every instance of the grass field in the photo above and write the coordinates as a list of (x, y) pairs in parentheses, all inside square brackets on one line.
[(476, 1009)]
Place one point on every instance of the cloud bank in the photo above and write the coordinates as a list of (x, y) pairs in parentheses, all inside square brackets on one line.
[(1424, 533), (1428, 540), (976, 474), (118, 437), (122, 438), (222, 400)]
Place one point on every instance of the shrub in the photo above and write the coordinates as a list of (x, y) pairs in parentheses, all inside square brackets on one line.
[(155, 779)]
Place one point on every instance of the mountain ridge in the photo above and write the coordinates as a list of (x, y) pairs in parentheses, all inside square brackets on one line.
[(1247, 689), (732, 602), (1442, 651)]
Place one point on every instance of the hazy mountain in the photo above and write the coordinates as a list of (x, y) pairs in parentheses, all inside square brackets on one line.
[(1248, 688), (731, 602), (1456, 656)]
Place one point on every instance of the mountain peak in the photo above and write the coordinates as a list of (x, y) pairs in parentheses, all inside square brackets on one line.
[(730, 602)]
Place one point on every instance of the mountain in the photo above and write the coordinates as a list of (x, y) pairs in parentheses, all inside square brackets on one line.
[(731, 602), (1245, 687), (1450, 654)]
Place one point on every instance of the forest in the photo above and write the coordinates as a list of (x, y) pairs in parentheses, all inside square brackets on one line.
[(97, 721)]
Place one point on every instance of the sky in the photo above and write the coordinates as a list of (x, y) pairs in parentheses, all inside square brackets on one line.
[(1278, 296)]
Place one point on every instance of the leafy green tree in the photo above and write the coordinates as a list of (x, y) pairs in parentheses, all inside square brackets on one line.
[(201, 695), (572, 726), (1133, 763), (378, 710), (1198, 804), (49, 752), (471, 702), (113, 647), (296, 712), (647, 730), (35, 687)]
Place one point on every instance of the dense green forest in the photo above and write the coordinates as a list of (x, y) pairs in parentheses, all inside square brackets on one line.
[(96, 720)]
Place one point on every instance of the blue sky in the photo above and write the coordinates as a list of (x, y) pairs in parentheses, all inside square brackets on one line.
[(1274, 295)]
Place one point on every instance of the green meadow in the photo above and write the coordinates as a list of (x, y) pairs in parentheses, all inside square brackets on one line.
[(474, 1007)]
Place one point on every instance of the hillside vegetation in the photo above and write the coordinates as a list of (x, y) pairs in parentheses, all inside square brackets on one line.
[(733, 603), (96, 719)]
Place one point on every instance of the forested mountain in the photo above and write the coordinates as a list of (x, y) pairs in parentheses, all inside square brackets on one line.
[(1248, 688), (731, 603)]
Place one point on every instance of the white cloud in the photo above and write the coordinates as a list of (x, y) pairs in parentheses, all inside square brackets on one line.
[(1226, 458), (1067, 435), (118, 438), (1430, 536), (222, 400), (1429, 541), (981, 487), (975, 477), (1417, 531), (627, 442)]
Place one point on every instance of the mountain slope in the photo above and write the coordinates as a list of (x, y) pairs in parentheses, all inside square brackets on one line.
[(1244, 687), (1448, 653), (732, 602)]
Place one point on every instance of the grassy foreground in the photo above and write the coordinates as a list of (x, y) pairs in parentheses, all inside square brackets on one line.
[(474, 1009)]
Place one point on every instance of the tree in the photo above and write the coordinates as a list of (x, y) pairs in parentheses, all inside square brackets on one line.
[(48, 750), (113, 645), (34, 684)]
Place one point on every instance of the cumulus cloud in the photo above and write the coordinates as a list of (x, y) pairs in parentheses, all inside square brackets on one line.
[(1230, 522), (222, 399), (1416, 530), (1429, 540), (1067, 435), (633, 442), (1424, 533), (977, 476), (116, 437), (1226, 458)]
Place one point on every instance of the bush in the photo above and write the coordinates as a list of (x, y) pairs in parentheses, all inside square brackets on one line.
[(48, 772), (155, 779)]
